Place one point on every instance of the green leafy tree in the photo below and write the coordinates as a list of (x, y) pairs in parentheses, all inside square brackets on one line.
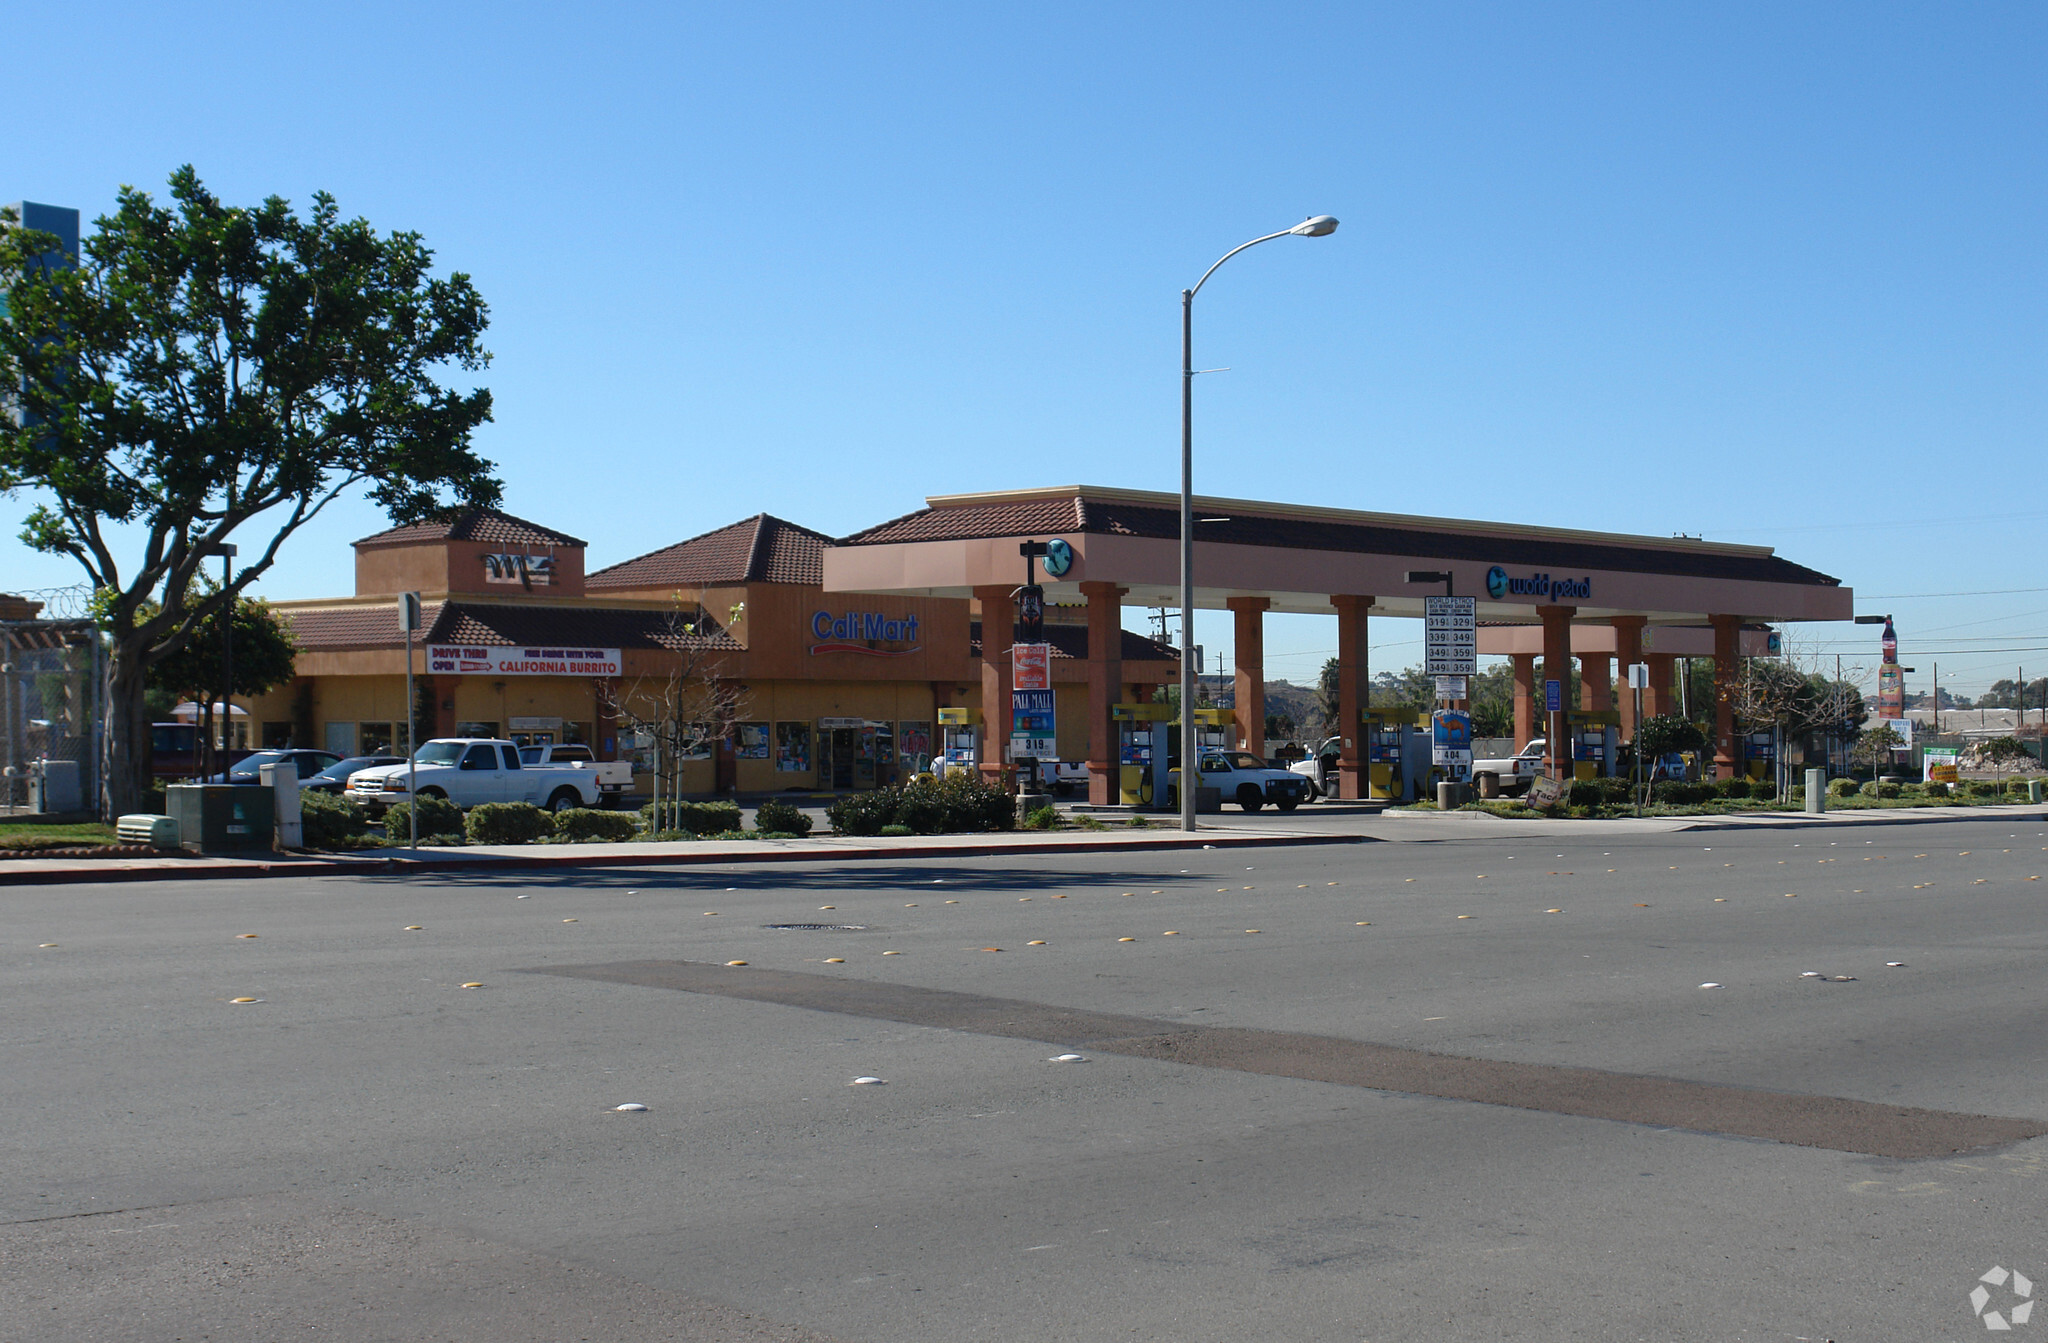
[(2000, 752), (1875, 747), (264, 652), (1327, 697), (1666, 733), (209, 372)]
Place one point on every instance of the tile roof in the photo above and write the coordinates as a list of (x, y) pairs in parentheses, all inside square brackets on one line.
[(1115, 517), (1071, 642), (333, 628), (488, 525), (760, 549)]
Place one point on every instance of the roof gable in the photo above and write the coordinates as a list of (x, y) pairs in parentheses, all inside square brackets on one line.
[(760, 549), (488, 525)]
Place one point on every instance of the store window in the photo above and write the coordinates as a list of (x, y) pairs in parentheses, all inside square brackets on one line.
[(793, 748), (277, 735), (374, 739), (476, 729), (577, 733), (914, 746), (751, 741)]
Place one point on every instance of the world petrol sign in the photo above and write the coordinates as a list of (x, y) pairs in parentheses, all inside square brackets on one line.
[(1500, 584)]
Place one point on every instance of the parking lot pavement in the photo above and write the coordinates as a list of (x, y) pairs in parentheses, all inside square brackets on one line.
[(1378, 1091)]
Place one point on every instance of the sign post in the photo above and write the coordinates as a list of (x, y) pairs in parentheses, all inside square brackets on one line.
[(1638, 682), (1450, 635), (1031, 700), (408, 626)]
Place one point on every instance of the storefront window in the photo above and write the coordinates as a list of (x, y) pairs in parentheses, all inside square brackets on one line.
[(752, 741), (277, 734), (700, 734), (914, 744), (476, 730), (374, 739), (793, 748), (576, 733)]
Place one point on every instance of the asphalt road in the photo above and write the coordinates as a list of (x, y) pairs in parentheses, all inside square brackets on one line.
[(1263, 1139)]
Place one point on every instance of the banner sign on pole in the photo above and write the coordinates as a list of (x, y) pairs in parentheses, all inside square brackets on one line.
[(1451, 742), (1032, 730), (1031, 666), (1450, 636), (1639, 675), (1553, 697), (1451, 687)]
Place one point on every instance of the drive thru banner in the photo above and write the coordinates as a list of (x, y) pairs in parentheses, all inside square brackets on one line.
[(551, 661)]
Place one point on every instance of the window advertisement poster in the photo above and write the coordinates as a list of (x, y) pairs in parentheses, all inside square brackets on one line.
[(752, 741), (793, 748), (1941, 764), (915, 741)]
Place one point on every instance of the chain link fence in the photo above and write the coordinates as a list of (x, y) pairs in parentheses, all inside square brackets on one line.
[(52, 715)]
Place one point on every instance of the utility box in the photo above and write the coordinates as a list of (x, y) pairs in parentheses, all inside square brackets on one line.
[(222, 817), (283, 783), (1816, 791), (54, 787)]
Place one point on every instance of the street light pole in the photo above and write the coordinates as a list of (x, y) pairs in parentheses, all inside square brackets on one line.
[(1319, 226), (226, 551)]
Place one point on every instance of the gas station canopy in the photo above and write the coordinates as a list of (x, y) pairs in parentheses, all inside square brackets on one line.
[(1298, 557)]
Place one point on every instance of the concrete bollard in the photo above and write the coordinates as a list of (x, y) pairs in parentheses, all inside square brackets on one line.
[(283, 782), (1816, 791)]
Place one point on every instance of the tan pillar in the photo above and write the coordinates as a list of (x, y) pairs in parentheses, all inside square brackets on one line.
[(998, 632), (1596, 681), (1525, 699), (1354, 693), (1628, 650), (1557, 666), (1105, 686), (1660, 701), (1251, 672), (1727, 672)]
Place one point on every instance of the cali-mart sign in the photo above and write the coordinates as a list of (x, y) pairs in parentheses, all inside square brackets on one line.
[(493, 661)]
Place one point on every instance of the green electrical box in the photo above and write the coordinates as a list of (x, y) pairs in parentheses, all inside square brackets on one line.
[(222, 817)]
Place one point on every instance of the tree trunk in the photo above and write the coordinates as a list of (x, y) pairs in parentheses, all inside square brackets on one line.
[(126, 777)]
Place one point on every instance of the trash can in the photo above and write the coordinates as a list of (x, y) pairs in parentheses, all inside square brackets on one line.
[(222, 817), (2034, 790), (1451, 796)]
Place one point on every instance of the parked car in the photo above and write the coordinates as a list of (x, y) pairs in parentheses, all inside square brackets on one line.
[(1320, 768), (469, 771), (614, 777), (174, 751), (1063, 777), (335, 777), (1515, 772), (1246, 780), (308, 763)]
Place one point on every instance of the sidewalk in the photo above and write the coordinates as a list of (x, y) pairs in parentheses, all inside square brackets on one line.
[(504, 857), (1432, 825)]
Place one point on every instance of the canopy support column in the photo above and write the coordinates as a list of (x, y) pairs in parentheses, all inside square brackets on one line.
[(1105, 686), (1628, 650), (1557, 666), (1525, 699), (1354, 693), (1727, 672), (1251, 672), (998, 632)]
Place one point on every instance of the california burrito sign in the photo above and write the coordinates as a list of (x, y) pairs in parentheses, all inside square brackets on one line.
[(453, 658)]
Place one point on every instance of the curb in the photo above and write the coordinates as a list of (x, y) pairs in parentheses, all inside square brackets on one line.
[(379, 867), (1804, 821)]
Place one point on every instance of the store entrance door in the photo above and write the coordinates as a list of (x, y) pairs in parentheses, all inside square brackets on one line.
[(842, 752)]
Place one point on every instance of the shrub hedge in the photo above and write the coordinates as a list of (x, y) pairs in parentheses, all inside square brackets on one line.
[(779, 816), (1762, 790), (1842, 788), (329, 821), (699, 818), (1731, 788), (1937, 790), (1679, 793), (583, 825), (506, 823), (959, 803), (438, 817)]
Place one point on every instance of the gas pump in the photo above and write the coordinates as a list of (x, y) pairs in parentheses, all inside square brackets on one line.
[(1759, 755), (1142, 748), (960, 737), (1388, 776), (1595, 736), (1215, 729)]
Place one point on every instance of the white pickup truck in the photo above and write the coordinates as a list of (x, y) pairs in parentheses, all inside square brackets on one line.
[(1245, 779), (1515, 772), (614, 777), (469, 771)]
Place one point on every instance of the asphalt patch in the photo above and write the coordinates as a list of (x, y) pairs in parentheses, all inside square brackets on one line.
[(1830, 1122)]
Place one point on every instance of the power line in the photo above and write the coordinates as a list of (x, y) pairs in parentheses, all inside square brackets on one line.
[(1912, 596)]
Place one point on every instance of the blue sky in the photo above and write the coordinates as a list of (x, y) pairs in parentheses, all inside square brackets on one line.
[(1769, 273)]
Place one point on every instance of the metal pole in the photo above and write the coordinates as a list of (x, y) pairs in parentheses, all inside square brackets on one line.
[(1189, 776), (227, 658), (412, 738)]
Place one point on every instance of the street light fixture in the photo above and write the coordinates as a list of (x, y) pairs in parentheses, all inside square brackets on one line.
[(1316, 226), (1431, 576)]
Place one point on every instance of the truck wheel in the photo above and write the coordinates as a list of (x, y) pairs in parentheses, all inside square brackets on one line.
[(1287, 803), (564, 799), (1249, 797)]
